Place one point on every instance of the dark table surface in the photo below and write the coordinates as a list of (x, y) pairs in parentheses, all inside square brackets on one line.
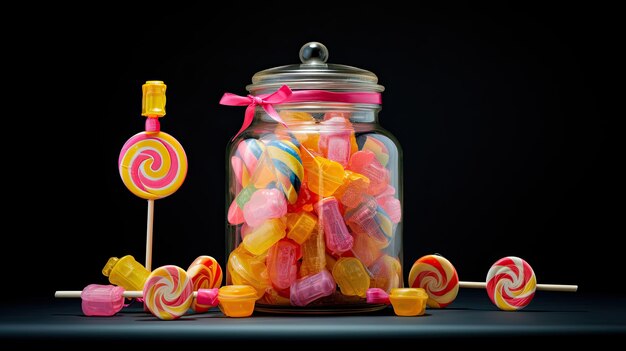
[(471, 318)]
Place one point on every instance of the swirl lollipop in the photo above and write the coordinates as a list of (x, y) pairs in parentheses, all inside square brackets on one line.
[(152, 164), (288, 166), (168, 292), (205, 273), (438, 277), (511, 282), (245, 160)]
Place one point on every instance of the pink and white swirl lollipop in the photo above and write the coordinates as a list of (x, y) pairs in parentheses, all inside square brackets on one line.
[(168, 292)]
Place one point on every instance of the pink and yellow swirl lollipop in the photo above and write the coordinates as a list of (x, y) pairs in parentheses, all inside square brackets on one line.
[(152, 164), (205, 273), (168, 292)]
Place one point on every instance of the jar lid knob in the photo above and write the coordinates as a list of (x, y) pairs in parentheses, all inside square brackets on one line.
[(313, 53)]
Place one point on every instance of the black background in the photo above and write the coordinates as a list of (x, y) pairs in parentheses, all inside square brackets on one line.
[(503, 115)]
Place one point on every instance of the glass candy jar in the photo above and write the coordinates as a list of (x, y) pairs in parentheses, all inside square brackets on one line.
[(314, 193)]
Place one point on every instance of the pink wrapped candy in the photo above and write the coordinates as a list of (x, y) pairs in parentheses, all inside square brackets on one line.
[(366, 163), (102, 300), (338, 239), (364, 219), (263, 205), (281, 263), (310, 288), (377, 295), (391, 206)]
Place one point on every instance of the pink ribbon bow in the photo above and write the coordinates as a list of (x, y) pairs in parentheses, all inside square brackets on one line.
[(281, 95), (284, 94)]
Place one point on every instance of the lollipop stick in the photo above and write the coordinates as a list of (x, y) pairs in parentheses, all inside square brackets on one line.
[(66, 294), (472, 285), (149, 235), (543, 287), (76, 294), (557, 287)]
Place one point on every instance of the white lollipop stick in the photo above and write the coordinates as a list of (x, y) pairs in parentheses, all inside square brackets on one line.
[(543, 287), (131, 294)]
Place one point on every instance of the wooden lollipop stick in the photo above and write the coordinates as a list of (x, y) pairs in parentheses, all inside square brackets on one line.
[(76, 294), (543, 287)]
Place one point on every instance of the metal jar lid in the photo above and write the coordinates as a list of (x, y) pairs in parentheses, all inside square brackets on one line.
[(314, 74)]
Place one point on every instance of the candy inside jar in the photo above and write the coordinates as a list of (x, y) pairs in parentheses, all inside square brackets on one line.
[(314, 189)]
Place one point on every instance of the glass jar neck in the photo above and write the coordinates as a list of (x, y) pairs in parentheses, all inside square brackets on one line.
[(356, 113)]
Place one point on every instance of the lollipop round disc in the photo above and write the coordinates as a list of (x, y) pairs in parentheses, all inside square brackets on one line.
[(205, 273), (168, 292), (511, 283), (437, 276), (152, 165)]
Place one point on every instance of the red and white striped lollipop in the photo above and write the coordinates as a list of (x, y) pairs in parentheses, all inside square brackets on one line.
[(511, 283), (205, 273), (437, 276)]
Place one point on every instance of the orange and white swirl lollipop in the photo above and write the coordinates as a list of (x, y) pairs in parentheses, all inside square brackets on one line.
[(437, 276), (205, 273), (152, 164), (168, 292)]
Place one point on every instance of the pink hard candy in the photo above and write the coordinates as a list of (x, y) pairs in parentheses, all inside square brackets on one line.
[(281, 263), (208, 297), (377, 295), (391, 206), (338, 239), (310, 288), (362, 219), (263, 205), (102, 300), (366, 163)]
